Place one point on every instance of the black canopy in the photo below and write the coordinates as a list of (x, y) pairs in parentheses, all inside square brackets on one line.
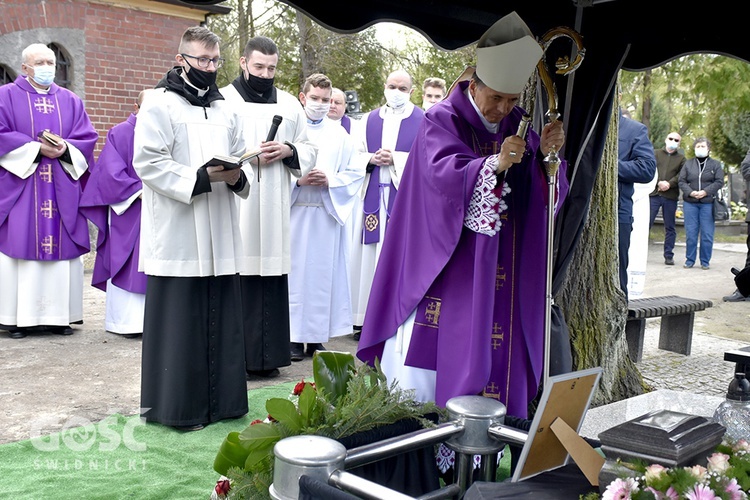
[(617, 34)]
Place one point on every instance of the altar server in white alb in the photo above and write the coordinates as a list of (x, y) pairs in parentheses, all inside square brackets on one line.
[(385, 136), (193, 363), (264, 215), (322, 202)]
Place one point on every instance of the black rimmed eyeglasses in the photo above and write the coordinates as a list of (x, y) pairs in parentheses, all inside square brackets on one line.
[(675, 139), (203, 62)]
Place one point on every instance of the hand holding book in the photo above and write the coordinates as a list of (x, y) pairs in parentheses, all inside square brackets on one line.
[(232, 162), (50, 137)]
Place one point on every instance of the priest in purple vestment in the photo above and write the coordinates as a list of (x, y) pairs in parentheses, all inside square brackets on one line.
[(385, 135), (112, 201), (46, 147), (458, 301)]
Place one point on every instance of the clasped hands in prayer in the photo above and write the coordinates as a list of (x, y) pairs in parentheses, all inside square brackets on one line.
[(382, 158), (513, 147), (313, 178)]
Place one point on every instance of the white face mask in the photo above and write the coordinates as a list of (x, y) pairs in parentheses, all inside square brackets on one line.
[(701, 151), (316, 111), (395, 98), (44, 75), (427, 105), (671, 145)]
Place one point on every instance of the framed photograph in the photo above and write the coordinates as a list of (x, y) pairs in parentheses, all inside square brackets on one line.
[(567, 397)]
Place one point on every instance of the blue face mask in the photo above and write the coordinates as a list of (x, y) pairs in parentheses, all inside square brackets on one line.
[(44, 75)]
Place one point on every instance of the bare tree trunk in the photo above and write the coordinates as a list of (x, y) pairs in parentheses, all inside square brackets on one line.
[(646, 111), (594, 306), (308, 55), (245, 23)]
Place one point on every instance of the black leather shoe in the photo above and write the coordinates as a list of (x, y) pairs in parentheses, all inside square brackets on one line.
[(63, 330), (297, 351), (131, 335), (19, 334), (669, 262), (735, 297), (252, 374), (189, 428), (311, 348)]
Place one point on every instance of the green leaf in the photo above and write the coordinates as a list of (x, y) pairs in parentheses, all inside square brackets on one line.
[(231, 453), (306, 404), (259, 436), (257, 456), (285, 412), (332, 371)]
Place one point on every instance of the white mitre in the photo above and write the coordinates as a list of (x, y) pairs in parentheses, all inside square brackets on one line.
[(507, 54)]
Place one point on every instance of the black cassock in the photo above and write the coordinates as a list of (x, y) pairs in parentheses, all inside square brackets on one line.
[(193, 363)]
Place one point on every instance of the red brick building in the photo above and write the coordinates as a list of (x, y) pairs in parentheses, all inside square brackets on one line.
[(108, 50)]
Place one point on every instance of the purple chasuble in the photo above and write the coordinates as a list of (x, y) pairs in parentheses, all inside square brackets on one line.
[(39, 215), (480, 299), (375, 191), (114, 180)]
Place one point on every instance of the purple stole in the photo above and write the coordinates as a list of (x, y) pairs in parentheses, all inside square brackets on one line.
[(346, 122), (375, 190), (39, 215)]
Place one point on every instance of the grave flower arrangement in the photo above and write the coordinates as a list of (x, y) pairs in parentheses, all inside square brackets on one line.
[(343, 400), (725, 477)]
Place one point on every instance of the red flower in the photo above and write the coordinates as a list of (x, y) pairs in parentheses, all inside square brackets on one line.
[(256, 421), (298, 388), (222, 487)]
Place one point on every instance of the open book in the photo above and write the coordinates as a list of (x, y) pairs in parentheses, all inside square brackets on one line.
[(232, 162)]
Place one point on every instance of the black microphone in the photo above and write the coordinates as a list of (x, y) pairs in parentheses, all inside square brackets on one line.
[(274, 127)]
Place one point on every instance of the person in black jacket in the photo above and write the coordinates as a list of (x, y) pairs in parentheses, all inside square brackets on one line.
[(700, 180), (736, 296), (669, 162)]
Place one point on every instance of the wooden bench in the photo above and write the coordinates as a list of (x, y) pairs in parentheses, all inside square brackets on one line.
[(677, 315)]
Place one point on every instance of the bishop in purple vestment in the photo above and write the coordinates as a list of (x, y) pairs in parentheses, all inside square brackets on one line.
[(458, 296), (40, 217)]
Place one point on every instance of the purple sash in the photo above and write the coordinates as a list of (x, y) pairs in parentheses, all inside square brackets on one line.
[(346, 122), (375, 190)]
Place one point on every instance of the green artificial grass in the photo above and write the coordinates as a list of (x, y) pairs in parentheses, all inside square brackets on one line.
[(121, 457)]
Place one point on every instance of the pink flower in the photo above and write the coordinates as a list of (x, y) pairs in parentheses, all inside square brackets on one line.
[(620, 489), (701, 492), (671, 494), (718, 462), (697, 470), (654, 471), (734, 490), (741, 445), (222, 487)]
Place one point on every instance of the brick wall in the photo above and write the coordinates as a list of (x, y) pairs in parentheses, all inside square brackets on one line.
[(124, 49)]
